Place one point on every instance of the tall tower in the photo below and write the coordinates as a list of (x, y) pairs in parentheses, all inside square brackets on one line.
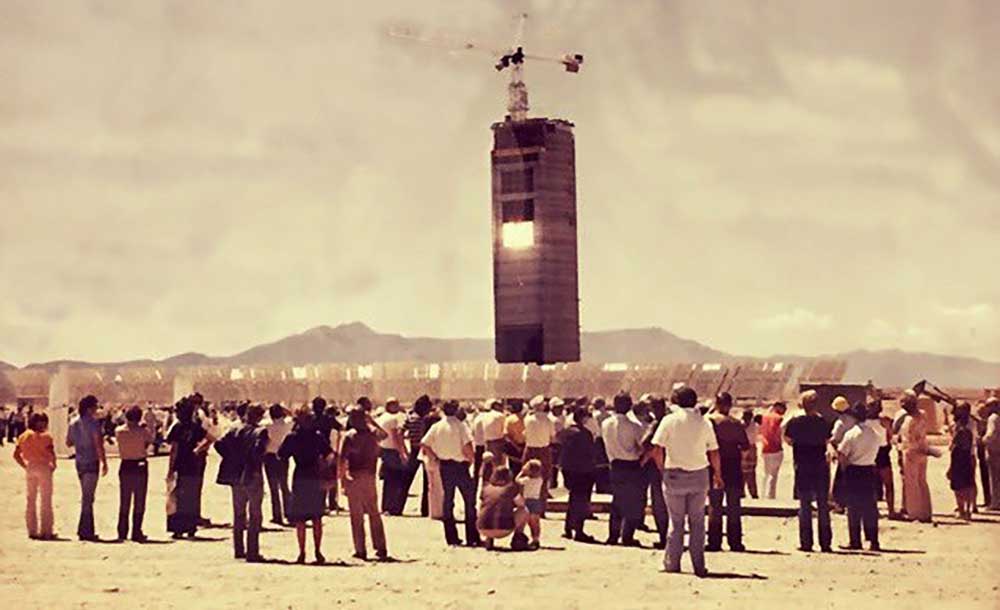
[(536, 298)]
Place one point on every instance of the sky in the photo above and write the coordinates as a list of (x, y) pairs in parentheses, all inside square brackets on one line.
[(764, 177)]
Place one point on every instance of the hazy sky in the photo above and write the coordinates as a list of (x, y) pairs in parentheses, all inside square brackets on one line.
[(761, 176)]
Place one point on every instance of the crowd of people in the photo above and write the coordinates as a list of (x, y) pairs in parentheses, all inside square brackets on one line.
[(504, 458)]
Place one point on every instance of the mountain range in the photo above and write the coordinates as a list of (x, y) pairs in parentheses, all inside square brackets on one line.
[(356, 342)]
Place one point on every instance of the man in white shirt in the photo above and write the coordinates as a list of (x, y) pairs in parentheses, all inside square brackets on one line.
[(449, 442), (492, 423), (685, 447), (276, 468), (623, 443), (539, 430), (392, 450), (856, 454)]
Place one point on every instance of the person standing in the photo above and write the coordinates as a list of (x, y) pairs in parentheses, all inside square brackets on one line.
[(415, 427), (392, 450), (327, 425), (981, 422), (577, 462), (845, 421), (243, 449), (84, 437), (991, 441), (772, 451), (539, 430), (189, 442), (687, 452), (732, 440), (856, 453), (916, 449), (657, 410), (623, 443), (310, 449), (275, 467), (962, 469), (358, 461), (749, 458), (809, 434), (492, 423), (35, 452), (133, 439), (513, 430), (449, 442), (557, 408)]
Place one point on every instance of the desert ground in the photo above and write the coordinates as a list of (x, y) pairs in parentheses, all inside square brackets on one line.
[(946, 565)]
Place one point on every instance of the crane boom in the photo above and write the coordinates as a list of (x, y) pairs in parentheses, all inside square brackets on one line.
[(512, 58)]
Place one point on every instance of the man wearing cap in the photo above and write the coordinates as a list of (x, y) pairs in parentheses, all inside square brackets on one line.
[(449, 442), (856, 453), (538, 434), (732, 440), (845, 421), (686, 448), (392, 451), (623, 443)]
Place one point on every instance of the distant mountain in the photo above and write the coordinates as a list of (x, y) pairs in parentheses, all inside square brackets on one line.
[(356, 342), (899, 368), (6, 367)]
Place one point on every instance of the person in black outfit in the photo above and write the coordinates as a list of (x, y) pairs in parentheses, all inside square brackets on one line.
[(576, 459), (654, 477), (808, 434), (732, 439), (325, 423), (188, 445), (417, 423), (242, 450), (310, 449)]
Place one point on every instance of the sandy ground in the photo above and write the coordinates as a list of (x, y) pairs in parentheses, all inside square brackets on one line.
[(948, 565)]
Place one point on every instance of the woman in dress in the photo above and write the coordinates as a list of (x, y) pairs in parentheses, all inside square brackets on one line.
[(916, 448), (188, 444), (310, 448), (962, 471)]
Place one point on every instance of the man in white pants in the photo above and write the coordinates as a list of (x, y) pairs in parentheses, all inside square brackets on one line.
[(772, 451)]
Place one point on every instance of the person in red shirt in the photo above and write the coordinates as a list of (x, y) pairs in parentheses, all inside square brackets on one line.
[(772, 451)]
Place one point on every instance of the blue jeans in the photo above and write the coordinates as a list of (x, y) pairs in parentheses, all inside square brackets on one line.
[(685, 491), (820, 494), (88, 490)]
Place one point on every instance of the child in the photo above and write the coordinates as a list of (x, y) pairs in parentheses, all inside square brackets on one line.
[(35, 452), (530, 480), (486, 471), (962, 471)]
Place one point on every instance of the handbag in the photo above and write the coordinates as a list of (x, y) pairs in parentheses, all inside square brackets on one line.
[(328, 471)]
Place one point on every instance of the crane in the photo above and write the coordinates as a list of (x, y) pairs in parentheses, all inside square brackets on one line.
[(511, 59)]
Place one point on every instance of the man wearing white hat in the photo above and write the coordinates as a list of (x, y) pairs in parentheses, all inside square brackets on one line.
[(538, 434), (845, 421)]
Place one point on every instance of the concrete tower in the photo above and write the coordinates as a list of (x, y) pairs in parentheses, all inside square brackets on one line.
[(536, 299)]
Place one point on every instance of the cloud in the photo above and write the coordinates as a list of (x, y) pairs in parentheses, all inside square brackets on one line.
[(797, 319), (210, 176)]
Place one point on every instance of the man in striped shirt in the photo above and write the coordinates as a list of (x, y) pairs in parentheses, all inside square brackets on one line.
[(414, 428)]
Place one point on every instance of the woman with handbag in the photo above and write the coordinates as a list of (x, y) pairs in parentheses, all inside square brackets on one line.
[(315, 473)]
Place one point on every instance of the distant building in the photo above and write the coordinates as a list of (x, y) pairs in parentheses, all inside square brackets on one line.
[(535, 292)]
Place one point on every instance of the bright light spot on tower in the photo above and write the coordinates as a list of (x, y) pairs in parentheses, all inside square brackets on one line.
[(518, 235)]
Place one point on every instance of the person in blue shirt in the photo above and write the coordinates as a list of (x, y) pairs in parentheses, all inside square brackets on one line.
[(84, 436)]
